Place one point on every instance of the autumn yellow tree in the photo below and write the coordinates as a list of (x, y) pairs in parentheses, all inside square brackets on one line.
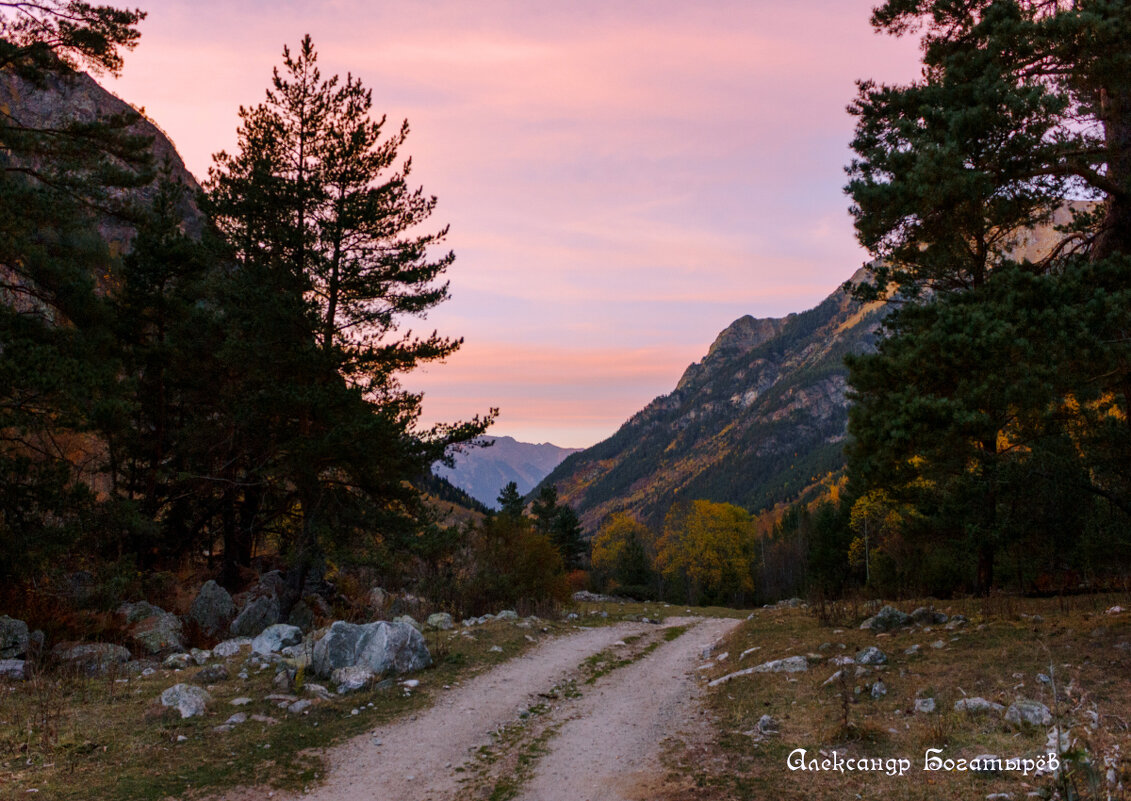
[(710, 548), (623, 550)]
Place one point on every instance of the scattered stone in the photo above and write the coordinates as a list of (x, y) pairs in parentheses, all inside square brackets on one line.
[(507, 614), (285, 679), (258, 613), (276, 637), (270, 721), (999, 797), (879, 689), (1115, 610), (377, 600), (213, 609), (298, 707), (925, 706), (1058, 741), (381, 647), (1027, 713), (188, 700), (886, 619), (411, 684), (177, 661), (938, 644), (440, 621), (956, 622), (241, 701), (871, 655), (211, 675), (13, 637), (1043, 679), (237, 718), (229, 648), (495, 649), (749, 651), (977, 705), (199, 656), (842, 660), (13, 669), (914, 649), (93, 659), (767, 725), (318, 691), (833, 678), (928, 617)]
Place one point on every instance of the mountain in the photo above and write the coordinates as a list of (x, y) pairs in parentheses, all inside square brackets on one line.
[(758, 420), (483, 472)]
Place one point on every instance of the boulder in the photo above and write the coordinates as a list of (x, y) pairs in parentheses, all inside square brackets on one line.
[(886, 619), (928, 617), (13, 637), (13, 669), (1025, 714), (871, 656), (275, 638), (257, 614), (177, 661), (200, 656), (408, 620), (188, 700), (879, 689), (213, 610), (977, 705), (151, 628), (231, 647), (381, 647), (93, 659), (507, 614), (441, 621)]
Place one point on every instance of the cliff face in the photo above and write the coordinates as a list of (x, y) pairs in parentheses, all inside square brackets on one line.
[(757, 420), (64, 100)]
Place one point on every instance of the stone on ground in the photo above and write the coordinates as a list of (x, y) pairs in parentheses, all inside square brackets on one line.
[(1026, 713), (275, 638), (887, 619), (213, 610), (381, 647), (188, 700), (13, 637)]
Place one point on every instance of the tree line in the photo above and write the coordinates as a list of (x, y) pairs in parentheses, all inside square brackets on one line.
[(212, 394)]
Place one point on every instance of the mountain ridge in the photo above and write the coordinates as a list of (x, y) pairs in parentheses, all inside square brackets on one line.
[(482, 472)]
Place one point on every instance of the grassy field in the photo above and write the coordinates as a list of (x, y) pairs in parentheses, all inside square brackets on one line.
[(1066, 653)]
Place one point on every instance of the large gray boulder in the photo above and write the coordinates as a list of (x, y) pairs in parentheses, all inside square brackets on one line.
[(93, 659), (258, 613), (13, 637), (381, 647), (871, 656), (188, 700), (1025, 714), (213, 609), (887, 619), (151, 628), (275, 638)]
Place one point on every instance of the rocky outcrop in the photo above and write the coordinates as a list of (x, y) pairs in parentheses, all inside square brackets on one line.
[(151, 628)]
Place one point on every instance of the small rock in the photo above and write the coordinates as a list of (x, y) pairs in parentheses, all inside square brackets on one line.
[(298, 707), (177, 661), (1027, 713), (938, 644), (409, 619), (914, 649), (13, 669), (199, 656), (241, 701), (188, 700), (925, 706), (928, 617), (886, 619), (871, 655), (507, 614), (239, 717), (232, 647), (977, 705), (318, 691), (767, 725), (879, 690), (495, 649)]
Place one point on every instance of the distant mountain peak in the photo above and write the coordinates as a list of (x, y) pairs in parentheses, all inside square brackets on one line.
[(482, 472)]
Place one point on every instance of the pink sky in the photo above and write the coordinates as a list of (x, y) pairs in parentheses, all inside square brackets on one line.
[(622, 179)]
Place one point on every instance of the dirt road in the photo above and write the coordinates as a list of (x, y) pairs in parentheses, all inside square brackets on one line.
[(600, 743)]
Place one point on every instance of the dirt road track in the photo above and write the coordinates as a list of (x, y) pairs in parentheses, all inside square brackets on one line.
[(608, 742)]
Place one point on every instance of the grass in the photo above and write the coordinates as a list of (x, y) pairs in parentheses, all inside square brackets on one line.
[(997, 655), (75, 738)]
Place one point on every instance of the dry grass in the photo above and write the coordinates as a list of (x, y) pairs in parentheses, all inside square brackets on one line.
[(996, 655), (72, 738)]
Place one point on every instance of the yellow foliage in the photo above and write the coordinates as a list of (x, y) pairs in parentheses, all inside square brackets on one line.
[(613, 537), (712, 545)]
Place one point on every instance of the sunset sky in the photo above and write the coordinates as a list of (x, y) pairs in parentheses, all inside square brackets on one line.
[(622, 179)]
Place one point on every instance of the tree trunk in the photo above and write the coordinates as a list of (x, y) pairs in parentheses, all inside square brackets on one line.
[(1115, 231)]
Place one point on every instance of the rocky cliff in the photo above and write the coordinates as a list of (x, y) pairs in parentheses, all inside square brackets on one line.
[(760, 418)]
